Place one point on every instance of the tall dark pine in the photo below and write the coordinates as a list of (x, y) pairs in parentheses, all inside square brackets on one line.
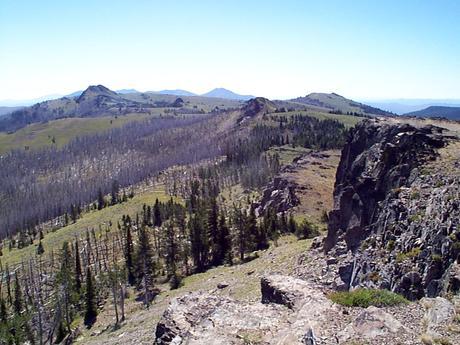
[(100, 200), (199, 243), (157, 221), (90, 300), (17, 303), (129, 251), (77, 268), (225, 242), (145, 264), (172, 250), (213, 233), (115, 197)]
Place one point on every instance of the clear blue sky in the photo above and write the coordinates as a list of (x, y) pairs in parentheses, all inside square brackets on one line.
[(277, 49)]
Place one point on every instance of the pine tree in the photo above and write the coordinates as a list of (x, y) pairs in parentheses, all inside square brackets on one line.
[(199, 243), (157, 221), (78, 271), (40, 249), (213, 234), (66, 285), (74, 213), (225, 242), (3, 311), (115, 192), (292, 225), (240, 222), (17, 303), (172, 255), (90, 300), (284, 228), (129, 251), (145, 264), (100, 200), (253, 235)]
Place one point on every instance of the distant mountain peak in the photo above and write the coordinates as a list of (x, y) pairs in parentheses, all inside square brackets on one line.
[(337, 103), (452, 113), (96, 90), (221, 92)]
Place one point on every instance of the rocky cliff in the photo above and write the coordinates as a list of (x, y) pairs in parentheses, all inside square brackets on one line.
[(395, 222)]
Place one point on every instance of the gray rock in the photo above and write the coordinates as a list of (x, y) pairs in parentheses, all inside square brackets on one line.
[(370, 324), (222, 285), (439, 312)]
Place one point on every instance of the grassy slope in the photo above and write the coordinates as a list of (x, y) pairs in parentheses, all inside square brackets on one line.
[(39, 135), (54, 240)]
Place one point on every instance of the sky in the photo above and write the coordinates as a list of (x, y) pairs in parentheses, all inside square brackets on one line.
[(277, 49)]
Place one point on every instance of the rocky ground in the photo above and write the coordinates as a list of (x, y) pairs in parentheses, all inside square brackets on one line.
[(293, 311)]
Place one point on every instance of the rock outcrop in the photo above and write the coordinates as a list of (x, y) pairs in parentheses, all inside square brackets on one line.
[(292, 312), (278, 195), (395, 222)]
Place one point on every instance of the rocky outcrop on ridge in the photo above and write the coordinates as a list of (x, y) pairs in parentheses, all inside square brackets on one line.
[(296, 312), (396, 216), (278, 195)]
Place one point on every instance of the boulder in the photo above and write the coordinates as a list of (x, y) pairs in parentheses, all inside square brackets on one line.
[(370, 324), (439, 313)]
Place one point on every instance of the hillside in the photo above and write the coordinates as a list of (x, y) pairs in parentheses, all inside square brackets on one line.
[(451, 113), (337, 103)]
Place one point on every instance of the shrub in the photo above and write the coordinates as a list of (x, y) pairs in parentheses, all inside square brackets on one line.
[(413, 253), (366, 297), (306, 230), (391, 245)]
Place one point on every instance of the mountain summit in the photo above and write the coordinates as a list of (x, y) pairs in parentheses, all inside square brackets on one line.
[(224, 93)]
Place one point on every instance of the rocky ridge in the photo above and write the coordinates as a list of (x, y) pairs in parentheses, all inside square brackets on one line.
[(293, 311), (395, 222)]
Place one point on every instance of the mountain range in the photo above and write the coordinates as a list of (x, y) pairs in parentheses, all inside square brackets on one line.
[(405, 106), (215, 93), (452, 113)]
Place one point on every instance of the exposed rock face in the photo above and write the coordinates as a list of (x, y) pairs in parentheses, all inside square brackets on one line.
[(292, 312), (395, 222), (278, 195)]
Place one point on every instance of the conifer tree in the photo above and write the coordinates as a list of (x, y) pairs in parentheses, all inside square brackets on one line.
[(198, 241), (292, 225), (157, 221), (100, 200), (129, 251), (115, 192), (17, 303), (253, 236), (225, 242), (3, 311), (213, 233), (78, 271), (172, 255), (145, 264), (90, 300), (65, 280), (40, 249)]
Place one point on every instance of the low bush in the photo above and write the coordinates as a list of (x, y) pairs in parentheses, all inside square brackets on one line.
[(366, 297)]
